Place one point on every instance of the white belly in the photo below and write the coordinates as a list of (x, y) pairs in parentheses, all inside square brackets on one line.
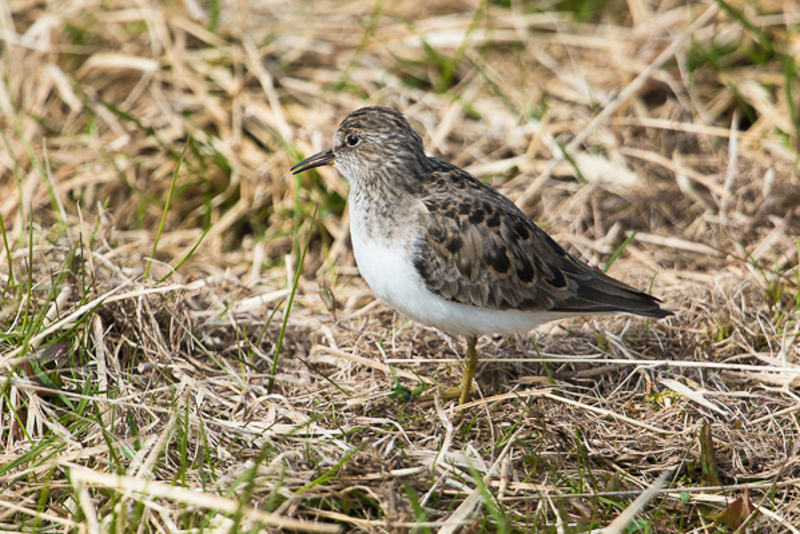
[(392, 277)]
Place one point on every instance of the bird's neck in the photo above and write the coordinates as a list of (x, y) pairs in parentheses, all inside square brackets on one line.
[(380, 209)]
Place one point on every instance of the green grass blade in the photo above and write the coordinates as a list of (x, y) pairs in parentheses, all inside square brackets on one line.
[(187, 255), (299, 270), (166, 209), (11, 281), (327, 475), (617, 252)]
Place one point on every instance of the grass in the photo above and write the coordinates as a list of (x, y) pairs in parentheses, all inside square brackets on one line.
[(187, 348)]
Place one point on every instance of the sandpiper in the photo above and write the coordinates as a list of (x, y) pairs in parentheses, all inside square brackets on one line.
[(449, 251)]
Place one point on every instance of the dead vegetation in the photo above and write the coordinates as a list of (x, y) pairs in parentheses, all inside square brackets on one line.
[(141, 316)]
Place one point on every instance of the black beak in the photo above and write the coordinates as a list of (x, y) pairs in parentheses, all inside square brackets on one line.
[(325, 157)]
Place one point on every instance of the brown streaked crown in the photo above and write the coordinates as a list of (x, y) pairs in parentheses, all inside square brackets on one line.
[(376, 144)]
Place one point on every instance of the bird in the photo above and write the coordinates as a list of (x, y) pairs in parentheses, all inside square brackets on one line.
[(448, 251)]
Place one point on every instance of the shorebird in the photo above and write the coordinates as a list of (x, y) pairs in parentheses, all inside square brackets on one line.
[(449, 251)]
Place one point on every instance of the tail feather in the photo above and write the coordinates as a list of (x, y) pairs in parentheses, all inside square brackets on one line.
[(599, 293)]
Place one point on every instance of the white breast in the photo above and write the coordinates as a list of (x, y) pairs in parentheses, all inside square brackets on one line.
[(387, 267)]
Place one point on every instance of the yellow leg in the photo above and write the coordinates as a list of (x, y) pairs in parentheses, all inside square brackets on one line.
[(469, 373), (464, 389)]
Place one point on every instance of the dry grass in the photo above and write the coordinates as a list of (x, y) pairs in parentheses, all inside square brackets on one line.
[(136, 396)]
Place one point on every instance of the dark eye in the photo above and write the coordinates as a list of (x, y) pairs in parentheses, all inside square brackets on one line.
[(352, 140)]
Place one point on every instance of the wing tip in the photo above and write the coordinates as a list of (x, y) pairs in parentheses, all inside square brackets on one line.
[(592, 301)]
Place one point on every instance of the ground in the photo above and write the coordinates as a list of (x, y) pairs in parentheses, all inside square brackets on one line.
[(188, 346)]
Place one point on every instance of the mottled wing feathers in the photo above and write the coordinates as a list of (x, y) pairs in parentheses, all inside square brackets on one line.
[(480, 250)]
